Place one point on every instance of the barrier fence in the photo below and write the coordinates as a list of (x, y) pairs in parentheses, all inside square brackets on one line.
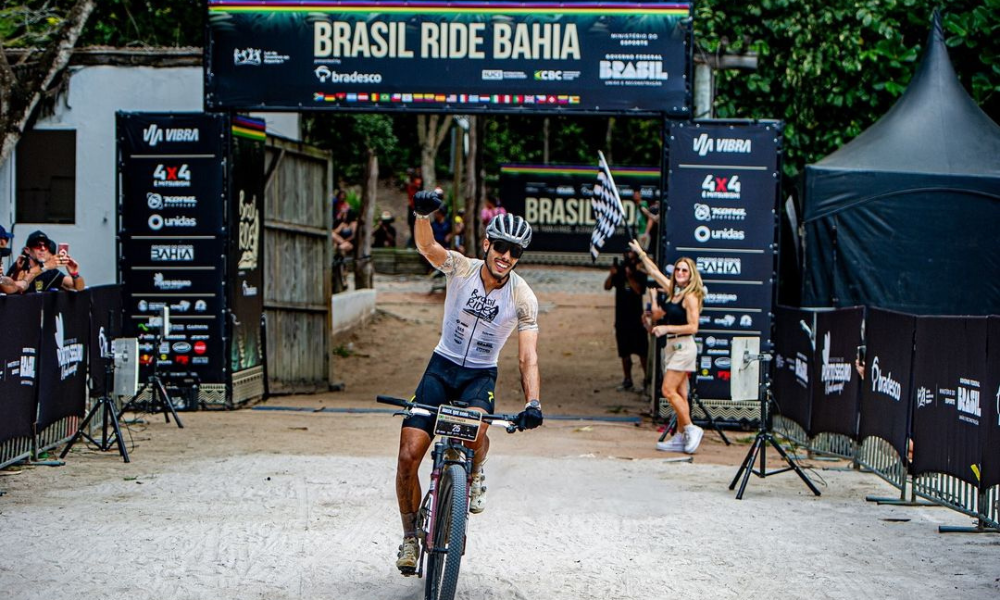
[(927, 410), (45, 364)]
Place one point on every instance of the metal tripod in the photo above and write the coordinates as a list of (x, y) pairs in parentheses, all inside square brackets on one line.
[(765, 437), (158, 396), (110, 415)]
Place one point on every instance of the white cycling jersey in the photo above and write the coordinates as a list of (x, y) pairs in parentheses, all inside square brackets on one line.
[(476, 324)]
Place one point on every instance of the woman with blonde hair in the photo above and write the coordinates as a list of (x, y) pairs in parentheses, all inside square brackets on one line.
[(685, 297)]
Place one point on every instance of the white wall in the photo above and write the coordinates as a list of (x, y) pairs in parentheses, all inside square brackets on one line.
[(95, 94)]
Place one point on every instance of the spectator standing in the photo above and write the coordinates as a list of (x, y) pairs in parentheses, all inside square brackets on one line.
[(38, 268), (441, 228), (385, 234), (630, 335), (491, 210), (415, 185), (641, 220), (458, 232)]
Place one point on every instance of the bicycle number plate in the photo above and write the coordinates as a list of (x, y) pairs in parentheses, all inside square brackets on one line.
[(457, 423)]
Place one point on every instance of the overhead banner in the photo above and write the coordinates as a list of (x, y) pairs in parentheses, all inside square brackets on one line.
[(448, 56), (835, 380), (722, 190), (949, 379), (793, 352), (556, 200), (991, 407), (62, 364), (21, 317), (246, 252)]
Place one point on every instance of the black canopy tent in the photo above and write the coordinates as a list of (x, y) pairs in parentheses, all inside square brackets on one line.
[(907, 215)]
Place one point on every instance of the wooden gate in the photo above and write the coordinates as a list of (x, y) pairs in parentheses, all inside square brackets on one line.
[(298, 256)]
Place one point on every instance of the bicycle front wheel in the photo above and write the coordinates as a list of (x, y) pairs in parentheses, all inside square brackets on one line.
[(445, 559)]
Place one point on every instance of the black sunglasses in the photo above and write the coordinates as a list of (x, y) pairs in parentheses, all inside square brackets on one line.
[(503, 246)]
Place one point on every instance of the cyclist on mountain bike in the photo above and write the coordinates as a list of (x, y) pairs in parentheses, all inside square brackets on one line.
[(485, 301)]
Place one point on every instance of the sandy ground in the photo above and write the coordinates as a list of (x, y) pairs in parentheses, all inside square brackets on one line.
[(295, 498)]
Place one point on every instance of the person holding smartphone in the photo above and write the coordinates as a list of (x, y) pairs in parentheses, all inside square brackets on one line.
[(38, 268)]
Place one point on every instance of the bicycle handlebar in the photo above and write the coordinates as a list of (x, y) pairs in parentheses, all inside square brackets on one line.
[(509, 422)]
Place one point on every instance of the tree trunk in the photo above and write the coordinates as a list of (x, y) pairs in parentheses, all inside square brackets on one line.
[(609, 139), (470, 191), (431, 131), (363, 267), (546, 129), (19, 98)]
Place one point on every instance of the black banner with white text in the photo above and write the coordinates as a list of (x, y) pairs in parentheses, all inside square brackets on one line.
[(62, 365), (19, 357), (835, 380), (886, 409)]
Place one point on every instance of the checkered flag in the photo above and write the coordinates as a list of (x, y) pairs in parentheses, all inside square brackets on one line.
[(606, 206)]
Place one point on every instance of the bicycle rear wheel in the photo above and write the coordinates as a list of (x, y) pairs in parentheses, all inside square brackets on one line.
[(445, 559)]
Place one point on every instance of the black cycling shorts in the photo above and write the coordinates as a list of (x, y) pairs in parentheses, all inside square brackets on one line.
[(444, 381)]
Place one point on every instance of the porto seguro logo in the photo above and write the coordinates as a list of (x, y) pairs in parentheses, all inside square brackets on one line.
[(834, 373), (69, 352)]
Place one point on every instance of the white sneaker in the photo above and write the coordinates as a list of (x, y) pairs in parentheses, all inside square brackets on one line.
[(477, 494), (674, 444), (692, 438)]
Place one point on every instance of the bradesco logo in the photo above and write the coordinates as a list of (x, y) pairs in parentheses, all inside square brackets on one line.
[(153, 135), (719, 187), (703, 144), (883, 383), (171, 176)]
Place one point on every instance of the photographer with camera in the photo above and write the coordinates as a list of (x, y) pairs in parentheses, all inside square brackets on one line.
[(37, 269), (629, 284)]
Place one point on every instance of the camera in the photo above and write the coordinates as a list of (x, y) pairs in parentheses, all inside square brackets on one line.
[(862, 351)]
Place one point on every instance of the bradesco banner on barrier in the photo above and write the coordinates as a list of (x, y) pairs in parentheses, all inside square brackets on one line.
[(722, 190), (885, 392), (835, 380), (448, 56), (949, 382), (172, 238), (246, 294), (556, 201)]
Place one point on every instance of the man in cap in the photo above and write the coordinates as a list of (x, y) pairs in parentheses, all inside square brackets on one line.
[(385, 233), (38, 268)]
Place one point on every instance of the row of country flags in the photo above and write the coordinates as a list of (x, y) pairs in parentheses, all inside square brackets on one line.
[(448, 98)]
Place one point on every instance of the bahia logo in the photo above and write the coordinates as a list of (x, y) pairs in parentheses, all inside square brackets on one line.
[(720, 265), (247, 57), (153, 135), (704, 144), (883, 383), (172, 253)]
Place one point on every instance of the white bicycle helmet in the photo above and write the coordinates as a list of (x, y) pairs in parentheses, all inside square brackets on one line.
[(511, 228)]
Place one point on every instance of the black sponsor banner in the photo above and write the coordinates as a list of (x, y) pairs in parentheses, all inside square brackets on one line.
[(174, 239), (793, 354), (991, 407), (448, 56), (556, 201), (886, 409), (172, 196), (62, 372), (836, 387), (949, 377), (105, 326), (246, 295), (722, 187), (19, 357)]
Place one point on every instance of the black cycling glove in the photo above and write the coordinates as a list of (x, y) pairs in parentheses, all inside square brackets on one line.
[(424, 203), (529, 418)]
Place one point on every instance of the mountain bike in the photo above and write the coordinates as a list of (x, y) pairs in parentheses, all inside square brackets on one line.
[(443, 512)]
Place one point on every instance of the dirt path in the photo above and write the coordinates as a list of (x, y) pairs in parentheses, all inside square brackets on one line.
[(294, 499)]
